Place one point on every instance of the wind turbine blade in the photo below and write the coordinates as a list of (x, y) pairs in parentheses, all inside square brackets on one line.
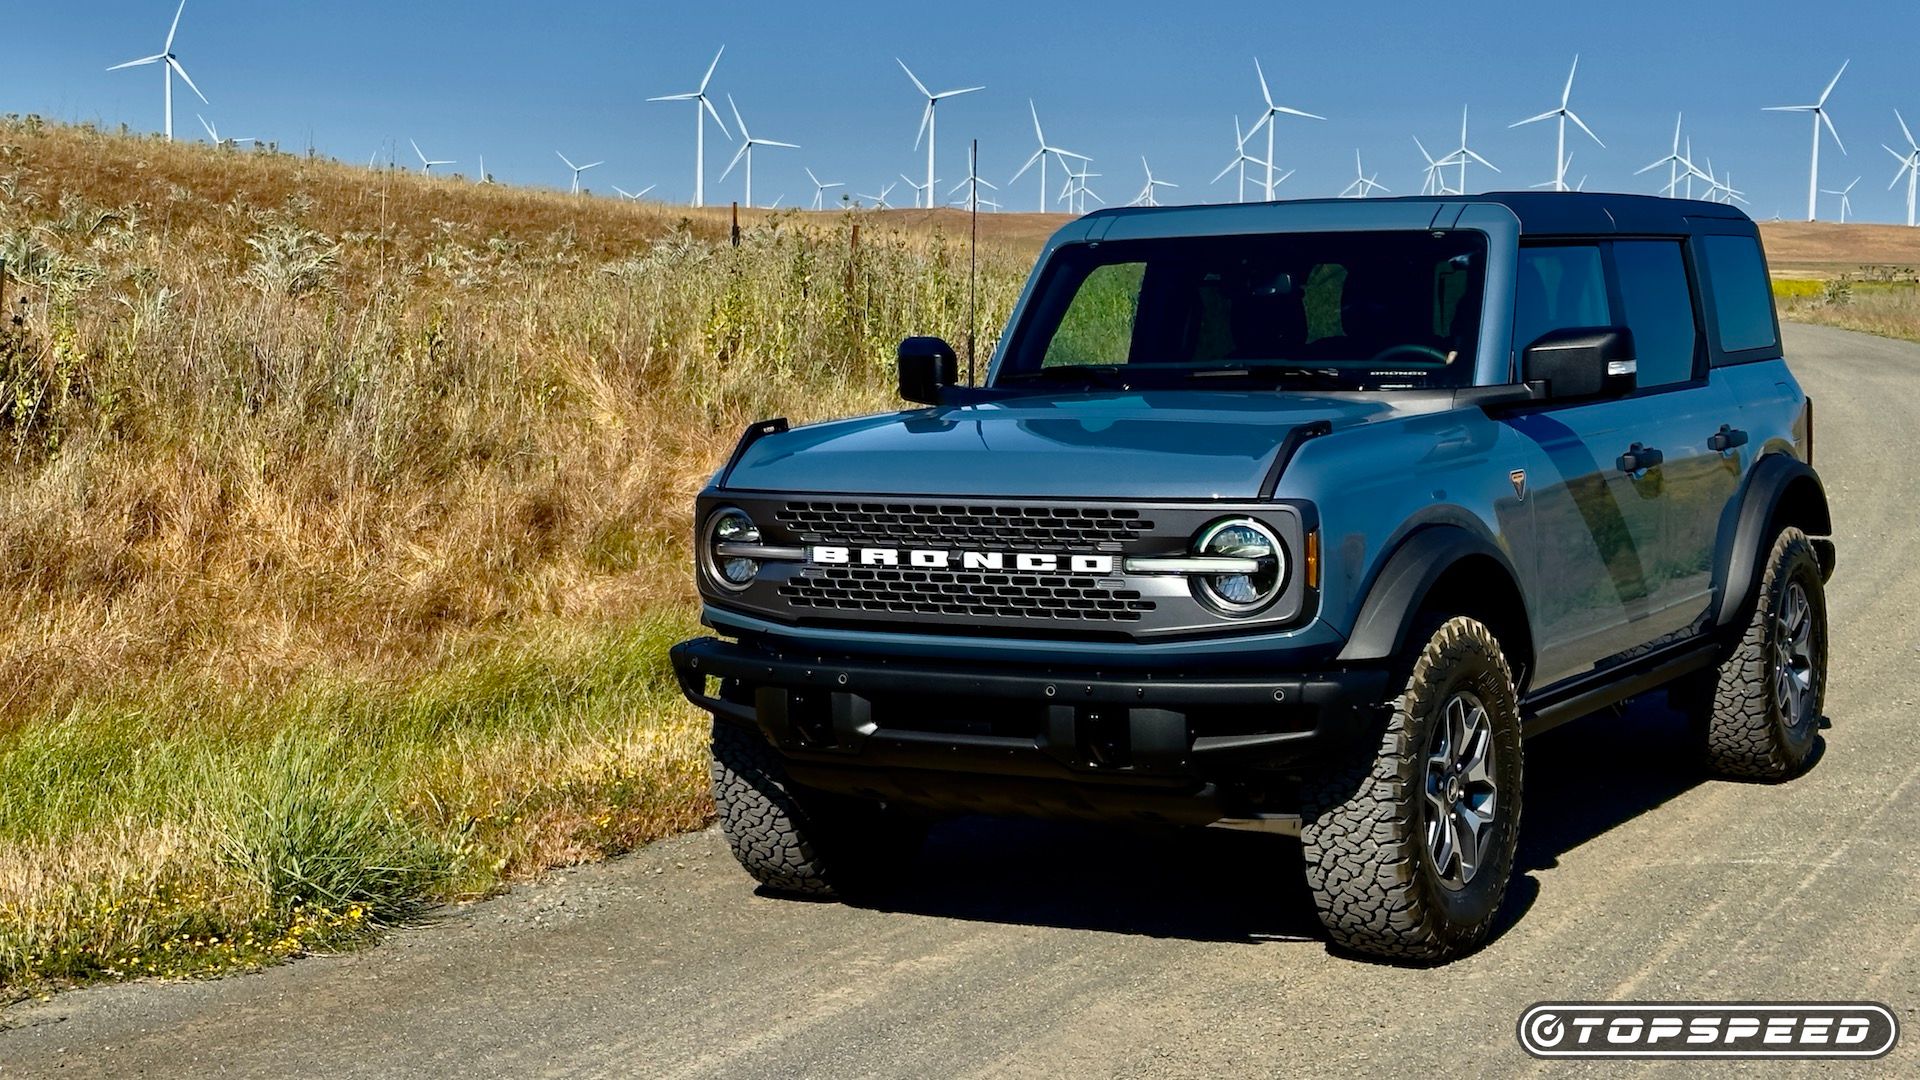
[(1789, 108), (1655, 165), (926, 117), (772, 142), (1904, 131), (416, 150), (137, 63), (1037, 133), (642, 193), (986, 184), (957, 93), (810, 176), (1567, 94), (1265, 94), (1835, 82), (211, 134), (1548, 115), (1827, 120), (1297, 112), (735, 109), (917, 84), (563, 157), (595, 165), (708, 77), (1057, 152), (182, 72), (1037, 155), (1265, 119), (676, 97), (1225, 171), (1480, 159), (1582, 125), (737, 155), (175, 28), (1423, 150), (707, 104)]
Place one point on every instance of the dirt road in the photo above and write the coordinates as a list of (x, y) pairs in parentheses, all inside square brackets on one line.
[(1048, 950)]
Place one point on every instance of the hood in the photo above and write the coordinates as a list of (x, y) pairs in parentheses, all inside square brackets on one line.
[(1118, 445)]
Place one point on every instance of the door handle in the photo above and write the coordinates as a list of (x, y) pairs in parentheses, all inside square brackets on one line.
[(1726, 439), (1639, 458)]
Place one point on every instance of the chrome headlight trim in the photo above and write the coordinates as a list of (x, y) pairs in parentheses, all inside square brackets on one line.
[(1211, 585)]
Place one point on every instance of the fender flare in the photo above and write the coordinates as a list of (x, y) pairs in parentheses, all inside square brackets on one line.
[(1409, 574), (1776, 481)]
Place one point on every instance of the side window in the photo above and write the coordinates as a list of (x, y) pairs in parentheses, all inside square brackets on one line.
[(1659, 303), (1742, 295), (1098, 325), (1558, 287)]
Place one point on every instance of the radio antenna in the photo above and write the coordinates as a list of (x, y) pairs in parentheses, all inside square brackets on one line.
[(973, 251)]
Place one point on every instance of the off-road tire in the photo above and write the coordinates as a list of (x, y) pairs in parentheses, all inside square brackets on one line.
[(1368, 865), (1746, 732), (797, 841)]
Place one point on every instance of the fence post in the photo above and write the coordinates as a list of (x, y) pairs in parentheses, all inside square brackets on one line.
[(736, 225)]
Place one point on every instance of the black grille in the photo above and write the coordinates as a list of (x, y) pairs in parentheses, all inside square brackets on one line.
[(968, 525), (1034, 597)]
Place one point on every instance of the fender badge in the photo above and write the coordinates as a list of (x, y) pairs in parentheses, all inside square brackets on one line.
[(1519, 479)]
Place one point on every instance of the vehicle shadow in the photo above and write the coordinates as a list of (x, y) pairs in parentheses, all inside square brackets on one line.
[(1215, 885)]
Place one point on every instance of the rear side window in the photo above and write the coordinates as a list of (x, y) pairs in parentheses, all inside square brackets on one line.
[(1659, 303), (1742, 296), (1561, 286)]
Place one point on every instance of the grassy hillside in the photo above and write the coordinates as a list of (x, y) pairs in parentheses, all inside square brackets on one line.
[(343, 522)]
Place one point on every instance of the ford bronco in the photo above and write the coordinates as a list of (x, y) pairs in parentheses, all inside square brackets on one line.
[(1296, 517)]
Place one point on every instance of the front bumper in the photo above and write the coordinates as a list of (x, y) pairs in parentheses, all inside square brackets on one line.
[(1029, 740)]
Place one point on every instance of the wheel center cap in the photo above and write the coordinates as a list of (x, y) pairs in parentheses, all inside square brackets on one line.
[(1453, 789)]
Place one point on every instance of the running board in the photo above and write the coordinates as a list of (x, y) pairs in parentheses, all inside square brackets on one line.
[(1596, 692), (1277, 824)]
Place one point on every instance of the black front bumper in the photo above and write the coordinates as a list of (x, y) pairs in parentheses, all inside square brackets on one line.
[(1029, 740)]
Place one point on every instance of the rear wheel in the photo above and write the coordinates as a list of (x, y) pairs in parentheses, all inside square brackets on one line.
[(1410, 846), (799, 841), (1765, 710)]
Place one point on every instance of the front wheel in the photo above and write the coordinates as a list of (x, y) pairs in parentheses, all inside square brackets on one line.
[(1409, 846)]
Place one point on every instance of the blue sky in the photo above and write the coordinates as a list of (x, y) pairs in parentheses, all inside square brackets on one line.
[(516, 81)]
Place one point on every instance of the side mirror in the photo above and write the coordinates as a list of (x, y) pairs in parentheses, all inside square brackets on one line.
[(1582, 362), (927, 366)]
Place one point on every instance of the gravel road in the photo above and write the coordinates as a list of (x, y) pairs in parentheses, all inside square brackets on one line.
[(1034, 949)]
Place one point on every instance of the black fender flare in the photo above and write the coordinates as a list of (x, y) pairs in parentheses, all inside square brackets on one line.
[(1778, 481), (1393, 600)]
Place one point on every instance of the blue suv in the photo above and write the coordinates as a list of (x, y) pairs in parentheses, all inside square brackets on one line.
[(1296, 517)]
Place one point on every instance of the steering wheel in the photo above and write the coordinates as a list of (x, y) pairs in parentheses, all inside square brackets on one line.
[(1425, 352)]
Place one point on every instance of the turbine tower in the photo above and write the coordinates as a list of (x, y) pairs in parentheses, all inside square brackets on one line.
[(1266, 120), (1363, 185), (426, 165), (1909, 165), (926, 121), (1819, 111), (1562, 114), (701, 108), (820, 190), (1147, 196), (1040, 156), (747, 143), (577, 170), (1673, 161), (169, 65)]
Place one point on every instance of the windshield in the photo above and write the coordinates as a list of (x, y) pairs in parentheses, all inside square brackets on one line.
[(1345, 310)]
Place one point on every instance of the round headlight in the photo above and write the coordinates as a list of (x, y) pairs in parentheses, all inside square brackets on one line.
[(729, 525), (1242, 538)]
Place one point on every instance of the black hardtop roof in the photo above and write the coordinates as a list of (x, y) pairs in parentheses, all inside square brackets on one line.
[(1542, 213)]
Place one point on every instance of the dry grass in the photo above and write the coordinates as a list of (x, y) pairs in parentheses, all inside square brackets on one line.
[(1874, 300), (289, 447)]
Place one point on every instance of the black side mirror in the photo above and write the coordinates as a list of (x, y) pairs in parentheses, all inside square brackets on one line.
[(927, 366), (1582, 362)]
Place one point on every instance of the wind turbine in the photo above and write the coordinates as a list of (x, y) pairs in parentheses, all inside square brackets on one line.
[(169, 65), (1040, 156), (578, 169), (1146, 196), (926, 120), (1819, 111), (426, 166), (747, 143), (1846, 202), (633, 196), (702, 107), (1909, 164), (484, 177), (1266, 119), (919, 189), (1461, 157), (973, 183), (214, 133), (880, 201), (1241, 159), (1363, 185), (1077, 192), (820, 190), (1431, 182), (1672, 161), (1563, 114)]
